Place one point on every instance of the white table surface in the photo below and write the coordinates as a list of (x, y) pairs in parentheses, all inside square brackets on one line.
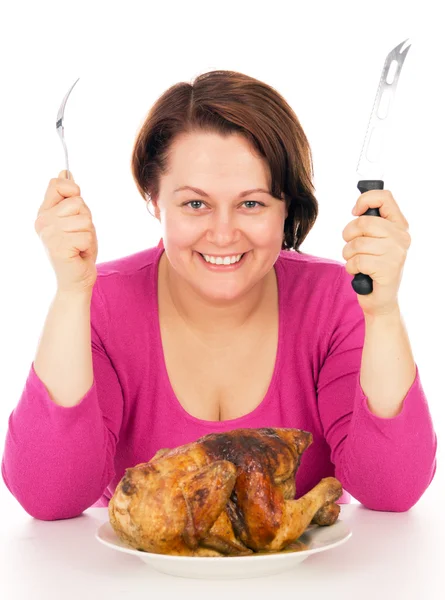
[(389, 556)]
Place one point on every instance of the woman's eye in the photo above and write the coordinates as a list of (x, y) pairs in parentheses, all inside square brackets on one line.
[(195, 202)]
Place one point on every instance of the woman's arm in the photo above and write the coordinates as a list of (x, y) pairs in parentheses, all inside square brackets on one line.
[(57, 459), (378, 247), (388, 369), (386, 463), (63, 360)]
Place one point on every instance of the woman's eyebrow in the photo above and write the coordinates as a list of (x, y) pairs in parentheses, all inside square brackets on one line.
[(202, 193)]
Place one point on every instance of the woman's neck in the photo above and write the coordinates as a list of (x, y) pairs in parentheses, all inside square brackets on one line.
[(208, 320)]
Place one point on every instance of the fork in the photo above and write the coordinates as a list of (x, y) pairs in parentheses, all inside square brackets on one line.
[(60, 129)]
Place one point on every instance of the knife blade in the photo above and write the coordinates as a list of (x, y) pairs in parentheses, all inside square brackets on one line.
[(370, 168)]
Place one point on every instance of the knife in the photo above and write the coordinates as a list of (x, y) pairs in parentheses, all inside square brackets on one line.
[(370, 165)]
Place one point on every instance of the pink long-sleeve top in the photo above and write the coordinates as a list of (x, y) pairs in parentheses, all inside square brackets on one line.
[(59, 461)]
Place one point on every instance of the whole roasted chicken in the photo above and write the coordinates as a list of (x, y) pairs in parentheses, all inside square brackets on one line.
[(226, 494)]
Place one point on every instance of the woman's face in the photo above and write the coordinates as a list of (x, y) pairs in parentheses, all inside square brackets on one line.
[(217, 218)]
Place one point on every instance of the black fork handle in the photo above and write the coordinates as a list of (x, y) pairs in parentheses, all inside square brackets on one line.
[(362, 283)]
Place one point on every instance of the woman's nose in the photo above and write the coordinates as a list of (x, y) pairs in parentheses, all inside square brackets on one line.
[(222, 229)]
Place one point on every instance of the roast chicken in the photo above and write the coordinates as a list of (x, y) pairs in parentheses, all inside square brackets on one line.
[(226, 494)]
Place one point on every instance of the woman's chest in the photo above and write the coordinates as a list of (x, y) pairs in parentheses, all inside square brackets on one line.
[(220, 382)]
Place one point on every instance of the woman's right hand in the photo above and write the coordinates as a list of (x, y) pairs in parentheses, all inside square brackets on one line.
[(66, 229)]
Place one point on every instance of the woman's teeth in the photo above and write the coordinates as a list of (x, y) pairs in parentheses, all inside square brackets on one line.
[(228, 260)]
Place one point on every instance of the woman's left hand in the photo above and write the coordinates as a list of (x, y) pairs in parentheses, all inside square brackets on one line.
[(377, 246)]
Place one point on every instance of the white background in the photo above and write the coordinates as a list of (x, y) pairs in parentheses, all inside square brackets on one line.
[(325, 58)]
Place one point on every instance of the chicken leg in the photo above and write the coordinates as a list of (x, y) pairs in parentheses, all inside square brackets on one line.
[(298, 514)]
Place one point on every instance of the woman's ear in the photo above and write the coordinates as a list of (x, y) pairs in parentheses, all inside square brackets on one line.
[(151, 201), (286, 205), (156, 209)]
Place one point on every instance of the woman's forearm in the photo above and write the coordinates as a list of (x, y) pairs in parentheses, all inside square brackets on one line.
[(63, 359), (387, 369)]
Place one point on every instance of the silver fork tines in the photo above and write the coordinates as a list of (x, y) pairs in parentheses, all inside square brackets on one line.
[(60, 129)]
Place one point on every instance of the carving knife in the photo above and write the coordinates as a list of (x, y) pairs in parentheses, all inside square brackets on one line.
[(371, 162)]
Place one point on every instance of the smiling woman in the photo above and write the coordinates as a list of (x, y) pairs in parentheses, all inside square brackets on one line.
[(226, 325)]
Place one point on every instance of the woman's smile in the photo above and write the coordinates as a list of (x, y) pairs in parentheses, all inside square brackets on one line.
[(211, 266)]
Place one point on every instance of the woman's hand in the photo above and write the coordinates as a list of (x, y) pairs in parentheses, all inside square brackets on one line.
[(65, 226), (377, 246)]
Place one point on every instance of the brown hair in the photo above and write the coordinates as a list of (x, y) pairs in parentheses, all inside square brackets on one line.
[(227, 102)]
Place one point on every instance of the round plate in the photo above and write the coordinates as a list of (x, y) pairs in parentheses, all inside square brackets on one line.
[(316, 539)]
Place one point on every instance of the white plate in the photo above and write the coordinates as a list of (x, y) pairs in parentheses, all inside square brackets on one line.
[(318, 539)]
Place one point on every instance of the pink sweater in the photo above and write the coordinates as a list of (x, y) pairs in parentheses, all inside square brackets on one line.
[(59, 461)]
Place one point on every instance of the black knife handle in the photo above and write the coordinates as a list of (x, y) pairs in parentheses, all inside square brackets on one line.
[(362, 283)]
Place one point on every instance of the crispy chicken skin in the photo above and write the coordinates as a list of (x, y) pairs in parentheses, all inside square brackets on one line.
[(226, 494)]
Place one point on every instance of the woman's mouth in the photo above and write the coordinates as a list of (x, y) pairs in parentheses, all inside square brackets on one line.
[(223, 267)]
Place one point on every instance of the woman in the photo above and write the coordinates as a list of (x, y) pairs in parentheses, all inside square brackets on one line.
[(159, 348)]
